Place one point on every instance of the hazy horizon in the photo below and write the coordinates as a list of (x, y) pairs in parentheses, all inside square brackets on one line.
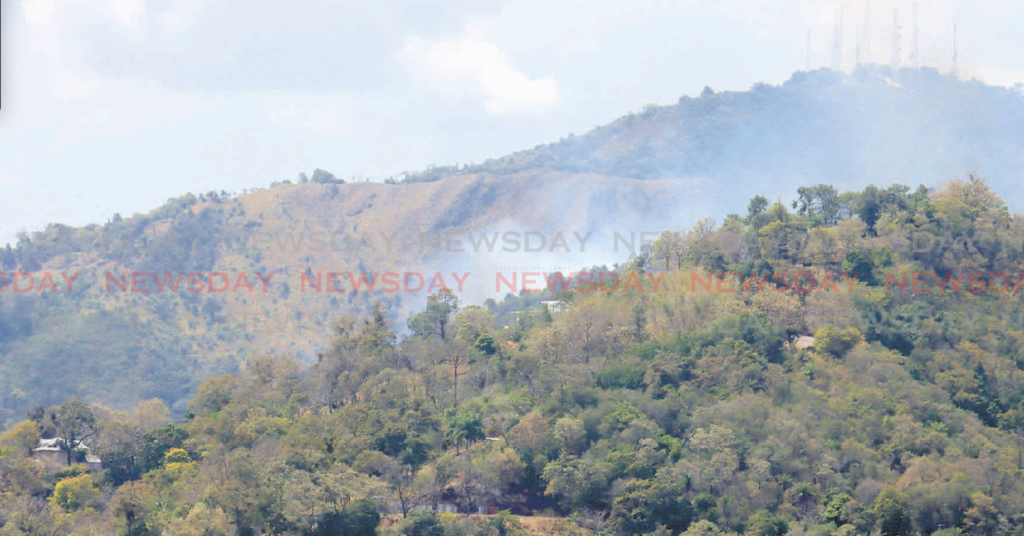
[(196, 95)]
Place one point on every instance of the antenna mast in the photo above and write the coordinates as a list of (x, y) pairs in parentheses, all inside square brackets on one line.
[(896, 39), (837, 41), (859, 36), (867, 32), (956, 54), (917, 57)]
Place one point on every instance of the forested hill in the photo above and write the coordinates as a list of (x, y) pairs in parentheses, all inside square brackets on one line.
[(665, 168), (874, 126), (687, 404), (120, 346)]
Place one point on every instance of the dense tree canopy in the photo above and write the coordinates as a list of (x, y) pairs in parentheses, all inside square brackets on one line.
[(684, 411)]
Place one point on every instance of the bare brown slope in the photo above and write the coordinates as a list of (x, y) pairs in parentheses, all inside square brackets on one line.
[(117, 347), (342, 228)]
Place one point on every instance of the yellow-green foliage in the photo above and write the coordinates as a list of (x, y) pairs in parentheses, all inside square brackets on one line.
[(75, 493), (177, 455), (24, 436), (836, 342), (685, 411)]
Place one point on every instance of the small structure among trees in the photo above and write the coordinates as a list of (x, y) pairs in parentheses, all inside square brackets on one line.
[(53, 455)]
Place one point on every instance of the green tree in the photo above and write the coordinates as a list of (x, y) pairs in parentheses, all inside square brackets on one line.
[(8, 260), (833, 341), (202, 520), (819, 203), (579, 483), (757, 206), (857, 264), (774, 239), (321, 176), (703, 528), (462, 426), (891, 512), (363, 518), (486, 344), (835, 508), (358, 518), (74, 422), (421, 523), (645, 505), (983, 518), (437, 317), (376, 335), (131, 506), (670, 250), (75, 493), (508, 525), (24, 436), (764, 523)]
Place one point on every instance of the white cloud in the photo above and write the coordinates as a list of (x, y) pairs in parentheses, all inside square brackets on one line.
[(181, 15), (38, 12), (42, 36), (128, 13), (471, 65)]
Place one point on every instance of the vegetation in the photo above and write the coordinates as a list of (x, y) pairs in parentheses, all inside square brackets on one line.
[(745, 136), (110, 348), (683, 411)]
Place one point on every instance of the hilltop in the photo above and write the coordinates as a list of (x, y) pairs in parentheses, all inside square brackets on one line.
[(663, 168), (875, 126)]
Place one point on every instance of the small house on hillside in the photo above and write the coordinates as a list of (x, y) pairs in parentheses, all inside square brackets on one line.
[(395, 507), (556, 306), (52, 455)]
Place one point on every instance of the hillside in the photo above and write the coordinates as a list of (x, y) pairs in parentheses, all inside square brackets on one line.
[(873, 127), (664, 168), (687, 410), (119, 347)]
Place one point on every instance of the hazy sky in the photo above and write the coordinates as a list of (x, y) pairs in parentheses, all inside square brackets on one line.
[(117, 105)]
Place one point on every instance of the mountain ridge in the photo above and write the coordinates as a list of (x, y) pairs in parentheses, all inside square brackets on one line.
[(175, 341), (875, 125)]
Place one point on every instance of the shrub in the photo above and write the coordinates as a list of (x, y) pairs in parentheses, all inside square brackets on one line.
[(836, 342)]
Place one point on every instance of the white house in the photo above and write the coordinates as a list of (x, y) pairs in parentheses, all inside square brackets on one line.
[(52, 455), (556, 306)]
